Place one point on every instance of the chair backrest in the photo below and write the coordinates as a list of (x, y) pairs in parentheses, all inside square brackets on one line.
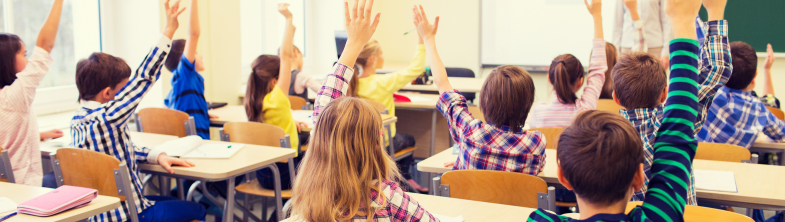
[(86, 168), (722, 152), (460, 72), (608, 105), (163, 121), (500, 187), (551, 136), (262, 134), (6, 171), (376, 104), (777, 112), (297, 102), (701, 214), (477, 113)]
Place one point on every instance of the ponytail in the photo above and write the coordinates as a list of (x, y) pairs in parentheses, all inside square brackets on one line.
[(264, 70), (565, 70)]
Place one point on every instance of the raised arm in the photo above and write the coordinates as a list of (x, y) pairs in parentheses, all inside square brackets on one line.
[(667, 34), (598, 63), (48, 33), (360, 26), (287, 48), (428, 33), (638, 39), (715, 56), (768, 87), (618, 25), (193, 33)]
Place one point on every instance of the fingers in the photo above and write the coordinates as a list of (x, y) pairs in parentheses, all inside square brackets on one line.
[(586, 2), (167, 167), (348, 16), (175, 6), (375, 22), (166, 6), (436, 25), (369, 8), (361, 10), (185, 163), (422, 14), (354, 9), (180, 12)]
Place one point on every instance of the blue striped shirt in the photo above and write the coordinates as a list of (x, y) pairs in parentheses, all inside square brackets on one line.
[(104, 127), (187, 95)]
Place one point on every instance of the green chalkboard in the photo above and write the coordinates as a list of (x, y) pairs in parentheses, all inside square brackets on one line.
[(756, 22)]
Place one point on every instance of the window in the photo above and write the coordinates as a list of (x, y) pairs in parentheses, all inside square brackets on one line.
[(77, 37)]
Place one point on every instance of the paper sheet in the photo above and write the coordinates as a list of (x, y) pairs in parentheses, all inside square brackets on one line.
[(214, 151), (6, 206), (181, 146), (712, 180), (443, 218)]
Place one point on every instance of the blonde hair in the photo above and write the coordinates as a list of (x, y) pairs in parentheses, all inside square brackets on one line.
[(345, 162), (371, 48)]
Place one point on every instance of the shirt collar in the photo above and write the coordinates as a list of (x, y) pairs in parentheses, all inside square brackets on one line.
[(725, 89), (641, 114), (90, 104)]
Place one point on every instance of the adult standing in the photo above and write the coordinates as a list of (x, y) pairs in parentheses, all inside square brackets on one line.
[(656, 28)]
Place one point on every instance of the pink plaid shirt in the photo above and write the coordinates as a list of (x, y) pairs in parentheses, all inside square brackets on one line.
[(487, 147)]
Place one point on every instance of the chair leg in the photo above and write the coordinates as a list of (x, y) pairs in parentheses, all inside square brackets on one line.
[(264, 208), (245, 204)]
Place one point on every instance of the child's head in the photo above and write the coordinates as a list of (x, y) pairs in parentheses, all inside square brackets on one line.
[(566, 76), (101, 76), (176, 53), (600, 157), (745, 66), (345, 157), (297, 58), (12, 55), (371, 57), (639, 81), (611, 56), (507, 96), (264, 76)]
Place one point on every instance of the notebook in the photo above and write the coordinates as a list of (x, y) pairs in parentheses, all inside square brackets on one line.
[(712, 180), (193, 147), (7, 205), (59, 200)]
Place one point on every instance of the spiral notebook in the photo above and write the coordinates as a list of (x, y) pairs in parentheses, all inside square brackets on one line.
[(58, 200)]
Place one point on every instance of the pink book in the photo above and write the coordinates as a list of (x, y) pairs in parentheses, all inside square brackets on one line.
[(58, 200)]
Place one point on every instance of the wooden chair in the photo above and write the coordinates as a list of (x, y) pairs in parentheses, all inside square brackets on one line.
[(391, 149), (722, 152), (500, 187), (608, 105), (6, 171), (264, 135), (777, 112), (551, 136), (701, 214), (297, 102), (165, 121)]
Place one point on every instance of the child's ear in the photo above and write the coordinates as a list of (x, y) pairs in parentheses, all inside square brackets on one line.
[(563, 180), (664, 95), (615, 99), (106, 94), (638, 179)]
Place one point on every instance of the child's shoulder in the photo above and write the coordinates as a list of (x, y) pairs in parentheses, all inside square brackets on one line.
[(543, 215)]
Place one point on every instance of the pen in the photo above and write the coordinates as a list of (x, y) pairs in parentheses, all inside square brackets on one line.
[(8, 216), (406, 33), (229, 147)]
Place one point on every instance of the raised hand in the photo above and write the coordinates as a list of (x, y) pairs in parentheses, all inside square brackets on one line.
[(283, 8), (359, 29), (424, 28), (172, 12), (48, 33), (595, 9), (632, 6), (769, 58), (715, 9), (682, 14)]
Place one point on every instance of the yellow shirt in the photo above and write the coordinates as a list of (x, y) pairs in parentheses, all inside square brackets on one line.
[(381, 87), (277, 111)]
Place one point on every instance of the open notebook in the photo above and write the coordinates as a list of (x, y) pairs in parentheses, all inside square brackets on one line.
[(712, 180), (194, 147)]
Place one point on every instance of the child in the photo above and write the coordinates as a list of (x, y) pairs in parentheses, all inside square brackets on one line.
[(380, 88), (604, 187), (640, 86), (638, 45), (108, 99), (265, 100), (737, 116), (566, 75), (346, 174), (187, 93), (19, 79), (300, 82)]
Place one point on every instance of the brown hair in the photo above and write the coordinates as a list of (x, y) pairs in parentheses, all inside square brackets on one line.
[(599, 154), (99, 71), (507, 96), (264, 70), (352, 91), (745, 65), (638, 80), (371, 48), (565, 70), (344, 162), (175, 54), (611, 56), (10, 45)]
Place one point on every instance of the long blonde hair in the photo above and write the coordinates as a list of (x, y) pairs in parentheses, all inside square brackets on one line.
[(371, 48), (344, 163)]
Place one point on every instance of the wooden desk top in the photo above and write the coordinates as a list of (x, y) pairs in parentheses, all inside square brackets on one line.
[(757, 184), (21, 193), (471, 210), (462, 84), (430, 104), (237, 114), (763, 142)]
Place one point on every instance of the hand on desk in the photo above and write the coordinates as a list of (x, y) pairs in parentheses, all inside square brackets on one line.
[(449, 164), (51, 134), (167, 162), (300, 125), (211, 116)]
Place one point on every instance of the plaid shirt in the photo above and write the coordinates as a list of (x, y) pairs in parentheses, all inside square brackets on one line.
[(715, 71), (737, 117), (487, 147)]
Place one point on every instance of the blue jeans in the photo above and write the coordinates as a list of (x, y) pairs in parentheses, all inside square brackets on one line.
[(50, 181), (168, 208)]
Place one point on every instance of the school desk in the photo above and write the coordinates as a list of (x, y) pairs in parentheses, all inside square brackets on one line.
[(759, 185), (471, 210), (765, 145), (237, 114), (21, 193), (424, 130), (462, 84)]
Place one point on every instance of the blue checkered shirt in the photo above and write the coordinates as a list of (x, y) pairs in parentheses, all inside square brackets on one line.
[(738, 117)]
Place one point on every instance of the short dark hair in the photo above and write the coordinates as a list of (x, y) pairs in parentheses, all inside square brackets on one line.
[(745, 65), (10, 45), (507, 96), (599, 154), (638, 80), (173, 60), (99, 71)]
